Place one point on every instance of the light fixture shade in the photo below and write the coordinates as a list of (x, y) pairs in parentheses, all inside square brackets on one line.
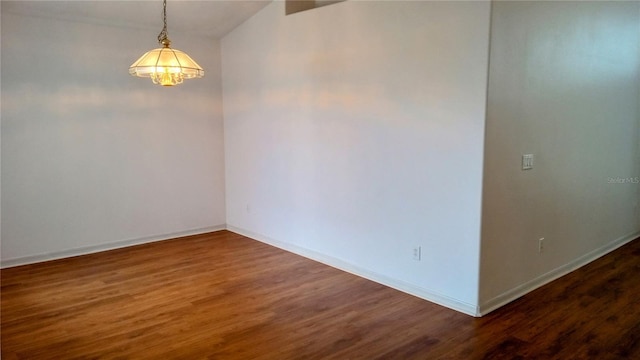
[(166, 66)]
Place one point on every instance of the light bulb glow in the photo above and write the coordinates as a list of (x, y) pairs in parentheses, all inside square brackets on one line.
[(167, 76)]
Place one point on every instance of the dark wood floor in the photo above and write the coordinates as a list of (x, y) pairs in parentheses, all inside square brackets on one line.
[(223, 296)]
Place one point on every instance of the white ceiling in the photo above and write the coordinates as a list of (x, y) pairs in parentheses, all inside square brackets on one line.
[(211, 18)]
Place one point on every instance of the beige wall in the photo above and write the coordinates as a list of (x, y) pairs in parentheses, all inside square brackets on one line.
[(94, 158), (564, 86), (359, 142)]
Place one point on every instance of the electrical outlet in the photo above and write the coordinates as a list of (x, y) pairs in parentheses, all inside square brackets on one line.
[(540, 245), (527, 161), (416, 253)]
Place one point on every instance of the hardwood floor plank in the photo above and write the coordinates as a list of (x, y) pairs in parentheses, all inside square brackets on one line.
[(224, 296)]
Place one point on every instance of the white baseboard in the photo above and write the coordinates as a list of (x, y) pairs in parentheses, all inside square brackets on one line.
[(548, 277), (411, 289), (104, 247), (405, 287)]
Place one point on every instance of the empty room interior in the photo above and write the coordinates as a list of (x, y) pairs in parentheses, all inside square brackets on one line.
[(348, 180)]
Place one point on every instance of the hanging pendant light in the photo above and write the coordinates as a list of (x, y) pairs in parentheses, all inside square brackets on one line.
[(166, 66)]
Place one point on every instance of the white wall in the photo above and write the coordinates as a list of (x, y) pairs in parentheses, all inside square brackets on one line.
[(93, 158), (354, 132), (564, 85)]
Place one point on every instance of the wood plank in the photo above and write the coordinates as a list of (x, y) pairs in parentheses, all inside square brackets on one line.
[(224, 296)]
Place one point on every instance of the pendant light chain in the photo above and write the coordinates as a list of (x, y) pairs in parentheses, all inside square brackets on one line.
[(163, 34)]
